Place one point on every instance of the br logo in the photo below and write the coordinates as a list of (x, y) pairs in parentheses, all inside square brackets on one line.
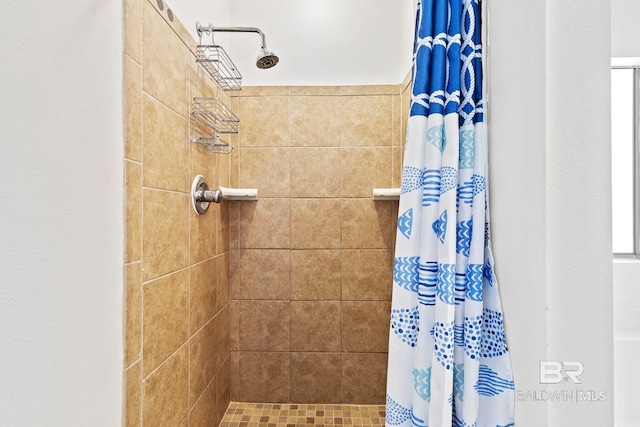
[(555, 372)]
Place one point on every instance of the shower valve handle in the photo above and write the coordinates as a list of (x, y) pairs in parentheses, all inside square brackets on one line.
[(203, 195)]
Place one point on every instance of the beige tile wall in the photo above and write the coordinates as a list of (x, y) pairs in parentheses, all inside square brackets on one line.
[(296, 284), (177, 328), (312, 259)]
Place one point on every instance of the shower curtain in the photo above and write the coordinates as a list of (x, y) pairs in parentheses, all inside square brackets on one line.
[(448, 358)]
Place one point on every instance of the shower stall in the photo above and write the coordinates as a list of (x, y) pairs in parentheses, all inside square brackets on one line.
[(281, 298)]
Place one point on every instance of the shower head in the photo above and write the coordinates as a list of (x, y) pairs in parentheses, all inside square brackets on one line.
[(266, 59)]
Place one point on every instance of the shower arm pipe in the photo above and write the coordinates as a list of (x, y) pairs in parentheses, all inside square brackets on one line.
[(209, 29), (243, 30)]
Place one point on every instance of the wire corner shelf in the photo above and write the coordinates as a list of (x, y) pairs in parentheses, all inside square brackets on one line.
[(215, 144), (213, 117), (215, 61)]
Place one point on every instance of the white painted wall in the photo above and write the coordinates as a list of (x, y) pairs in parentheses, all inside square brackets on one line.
[(61, 203), (323, 42), (550, 192), (189, 12), (319, 42), (578, 216), (625, 31), (516, 71)]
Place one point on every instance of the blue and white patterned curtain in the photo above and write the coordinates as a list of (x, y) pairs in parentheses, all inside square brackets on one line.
[(448, 358)]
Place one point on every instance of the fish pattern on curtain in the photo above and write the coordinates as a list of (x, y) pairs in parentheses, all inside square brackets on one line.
[(448, 358)]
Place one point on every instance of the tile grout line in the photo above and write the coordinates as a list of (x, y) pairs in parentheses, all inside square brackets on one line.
[(290, 231), (341, 243), (189, 336), (141, 380)]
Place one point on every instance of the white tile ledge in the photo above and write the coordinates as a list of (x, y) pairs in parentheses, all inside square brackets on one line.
[(386, 194)]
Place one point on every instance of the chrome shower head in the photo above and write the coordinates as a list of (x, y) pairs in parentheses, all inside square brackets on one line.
[(266, 59)]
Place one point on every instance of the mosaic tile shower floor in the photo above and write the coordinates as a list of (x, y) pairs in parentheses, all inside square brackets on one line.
[(299, 415)]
